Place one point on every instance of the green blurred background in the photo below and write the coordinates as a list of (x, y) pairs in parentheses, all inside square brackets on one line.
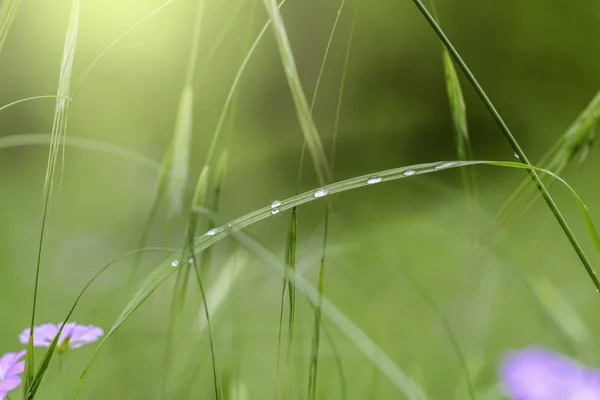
[(539, 62)]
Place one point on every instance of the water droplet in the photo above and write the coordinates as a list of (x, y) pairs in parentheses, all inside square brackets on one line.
[(321, 192), (409, 172), (175, 263), (212, 232), (229, 225), (517, 156), (276, 204), (445, 165), (374, 179), (190, 260), (275, 211)]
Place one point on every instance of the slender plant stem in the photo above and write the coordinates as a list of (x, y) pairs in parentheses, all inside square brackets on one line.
[(513, 142)]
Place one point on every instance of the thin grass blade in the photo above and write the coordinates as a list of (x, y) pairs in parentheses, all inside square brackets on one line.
[(309, 129), (58, 135), (8, 10), (511, 139), (577, 140)]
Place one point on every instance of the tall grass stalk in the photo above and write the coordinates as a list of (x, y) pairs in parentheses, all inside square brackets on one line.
[(513, 142), (314, 361), (59, 130)]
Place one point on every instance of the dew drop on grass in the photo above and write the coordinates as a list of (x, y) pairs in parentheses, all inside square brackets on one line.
[(276, 204), (374, 179), (275, 211), (409, 172), (445, 165), (175, 263), (191, 261), (517, 156), (321, 192), (212, 232), (229, 225)]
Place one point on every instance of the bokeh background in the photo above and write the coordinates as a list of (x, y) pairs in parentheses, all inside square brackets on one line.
[(500, 289)]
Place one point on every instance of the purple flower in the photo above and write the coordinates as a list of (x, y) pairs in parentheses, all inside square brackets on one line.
[(71, 337), (540, 374), (10, 368)]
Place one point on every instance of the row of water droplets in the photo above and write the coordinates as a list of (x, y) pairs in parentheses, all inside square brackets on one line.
[(322, 192)]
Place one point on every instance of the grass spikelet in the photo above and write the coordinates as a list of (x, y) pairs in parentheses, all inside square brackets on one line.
[(59, 129), (575, 143), (511, 140), (180, 151)]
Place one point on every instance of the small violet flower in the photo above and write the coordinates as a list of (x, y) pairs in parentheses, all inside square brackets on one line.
[(10, 369), (540, 374), (71, 337)]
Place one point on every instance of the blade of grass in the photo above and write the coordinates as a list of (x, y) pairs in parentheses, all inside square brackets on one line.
[(39, 376), (232, 90), (59, 129), (27, 99), (44, 139), (314, 358), (29, 139), (8, 10), (287, 287), (446, 325), (309, 130), (346, 326), (513, 142)]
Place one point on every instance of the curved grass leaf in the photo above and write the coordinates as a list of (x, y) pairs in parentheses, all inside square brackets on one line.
[(396, 376)]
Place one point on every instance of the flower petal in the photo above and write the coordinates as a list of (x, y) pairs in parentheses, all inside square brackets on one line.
[(539, 374), (85, 334), (7, 362), (10, 383)]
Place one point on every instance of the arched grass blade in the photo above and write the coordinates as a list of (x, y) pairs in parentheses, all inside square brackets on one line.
[(27, 99), (346, 326)]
